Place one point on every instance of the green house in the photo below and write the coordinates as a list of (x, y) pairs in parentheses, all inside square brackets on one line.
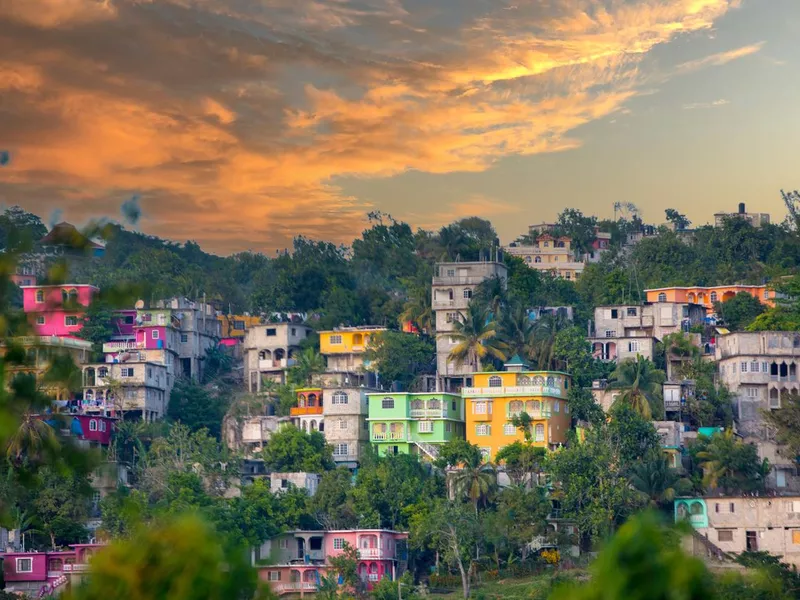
[(405, 423)]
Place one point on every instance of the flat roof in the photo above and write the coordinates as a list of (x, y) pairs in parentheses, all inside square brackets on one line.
[(60, 285), (707, 287)]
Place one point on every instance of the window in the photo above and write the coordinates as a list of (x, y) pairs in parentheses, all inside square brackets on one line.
[(154, 334), (780, 478), (335, 339), (39, 296), (556, 406), (184, 338), (486, 453), (147, 317), (566, 408), (149, 372), (453, 405), (614, 313), (24, 565), (765, 367), (70, 320), (744, 367), (274, 575), (448, 427), (539, 433), (238, 325), (272, 332), (127, 372), (102, 372), (766, 294), (796, 536), (425, 427), (495, 381), (294, 331), (339, 398), (479, 408), (467, 293), (284, 544), (509, 429), (633, 346), (483, 429), (732, 507), (752, 392), (342, 424), (754, 366), (340, 450), (451, 317), (631, 311), (725, 535), (714, 296), (93, 425), (40, 320), (451, 272), (338, 543), (662, 297), (387, 403), (102, 425)]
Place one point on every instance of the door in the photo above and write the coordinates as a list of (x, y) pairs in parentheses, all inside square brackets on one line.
[(752, 541)]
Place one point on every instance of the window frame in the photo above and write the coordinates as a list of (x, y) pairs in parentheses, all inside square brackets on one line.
[(387, 403), (19, 561)]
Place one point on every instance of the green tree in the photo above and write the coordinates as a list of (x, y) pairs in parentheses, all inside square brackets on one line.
[(655, 479), (182, 559), (402, 357), (97, 326), (474, 481), (197, 407), (640, 383), (332, 504), (578, 227), (786, 422), (738, 312), (345, 564), (291, 450), (632, 435), (309, 363), (476, 339), (458, 451), (677, 219), (729, 464), (521, 461), (61, 505), (573, 353)]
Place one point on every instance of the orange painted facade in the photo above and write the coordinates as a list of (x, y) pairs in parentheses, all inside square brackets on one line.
[(708, 295)]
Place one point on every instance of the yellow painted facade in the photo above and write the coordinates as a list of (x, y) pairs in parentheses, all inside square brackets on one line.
[(347, 340), (498, 396), (236, 326)]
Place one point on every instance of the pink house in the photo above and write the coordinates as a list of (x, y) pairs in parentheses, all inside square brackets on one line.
[(57, 310), (300, 558), (42, 573)]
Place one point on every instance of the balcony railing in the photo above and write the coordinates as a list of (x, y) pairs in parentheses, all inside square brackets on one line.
[(120, 346), (391, 436), (372, 553), (456, 280), (280, 363), (518, 390), (296, 586), (373, 577), (431, 413), (76, 568), (305, 410)]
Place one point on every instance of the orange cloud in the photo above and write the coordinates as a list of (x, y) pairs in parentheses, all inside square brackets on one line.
[(235, 119)]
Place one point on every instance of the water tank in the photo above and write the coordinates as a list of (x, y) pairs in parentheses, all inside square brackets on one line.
[(741, 208)]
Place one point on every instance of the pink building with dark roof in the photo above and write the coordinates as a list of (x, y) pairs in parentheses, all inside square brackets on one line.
[(40, 574), (57, 310)]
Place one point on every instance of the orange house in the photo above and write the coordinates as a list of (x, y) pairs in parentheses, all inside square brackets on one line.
[(708, 295)]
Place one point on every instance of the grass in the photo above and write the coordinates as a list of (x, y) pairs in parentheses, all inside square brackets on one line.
[(532, 587)]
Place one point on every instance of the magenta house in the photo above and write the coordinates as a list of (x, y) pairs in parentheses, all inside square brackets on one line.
[(299, 558), (40, 574), (57, 310)]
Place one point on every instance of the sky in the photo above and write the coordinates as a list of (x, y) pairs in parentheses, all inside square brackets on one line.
[(242, 123)]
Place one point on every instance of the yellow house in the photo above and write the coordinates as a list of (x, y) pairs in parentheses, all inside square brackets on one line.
[(344, 347), (498, 396), (236, 326)]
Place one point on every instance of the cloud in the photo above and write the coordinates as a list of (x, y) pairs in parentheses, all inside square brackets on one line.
[(719, 59), (233, 120), (714, 104)]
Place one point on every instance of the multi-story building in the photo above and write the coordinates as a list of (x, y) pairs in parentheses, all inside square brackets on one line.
[(499, 396), (129, 387), (549, 253), (250, 434), (750, 524), (403, 423), (39, 574), (298, 559), (281, 482), (453, 284), (345, 410), (755, 219), (708, 295), (344, 348), (199, 332), (57, 310), (599, 246), (237, 326), (269, 352), (307, 415), (628, 331), (760, 369)]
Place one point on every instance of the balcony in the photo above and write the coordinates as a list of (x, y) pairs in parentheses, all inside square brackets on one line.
[(379, 553), (266, 364), (298, 411), (76, 568), (429, 413), (517, 390), (463, 280), (295, 586), (389, 436), (121, 346)]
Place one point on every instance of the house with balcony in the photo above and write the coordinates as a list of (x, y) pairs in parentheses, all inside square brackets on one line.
[(707, 295), (250, 434), (627, 331), (118, 389), (345, 411), (549, 253), (760, 369), (405, 423), (725, 524), (39, 574), (269, 351), (344, 348), (198, 332), (451, 291), (497, 397), (299, 559), (307, 414), (57, 310)]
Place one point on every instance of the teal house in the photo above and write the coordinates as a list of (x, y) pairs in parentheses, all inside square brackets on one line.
[(406, 423)]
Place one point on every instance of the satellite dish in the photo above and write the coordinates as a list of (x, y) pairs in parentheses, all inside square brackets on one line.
[(139, 304)]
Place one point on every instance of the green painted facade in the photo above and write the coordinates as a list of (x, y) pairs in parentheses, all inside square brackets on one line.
[(399, 422)]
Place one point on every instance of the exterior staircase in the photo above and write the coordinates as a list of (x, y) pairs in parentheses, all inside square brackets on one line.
[(431, 450)]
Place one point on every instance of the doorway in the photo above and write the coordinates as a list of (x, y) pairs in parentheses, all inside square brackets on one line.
[(752, 541)]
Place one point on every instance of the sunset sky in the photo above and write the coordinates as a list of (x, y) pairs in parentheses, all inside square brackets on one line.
[(241, 123)]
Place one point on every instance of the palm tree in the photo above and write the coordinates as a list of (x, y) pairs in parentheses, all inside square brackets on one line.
[(731, 464), (491, 296), (474, 481), (640, 383), (655, 480), (545, 330), (417, 308), (476, 339), (517, 330), (308, 364), (33, 440)]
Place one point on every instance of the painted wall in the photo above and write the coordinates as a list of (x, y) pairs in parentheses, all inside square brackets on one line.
[(352, 341), (703, 295)]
